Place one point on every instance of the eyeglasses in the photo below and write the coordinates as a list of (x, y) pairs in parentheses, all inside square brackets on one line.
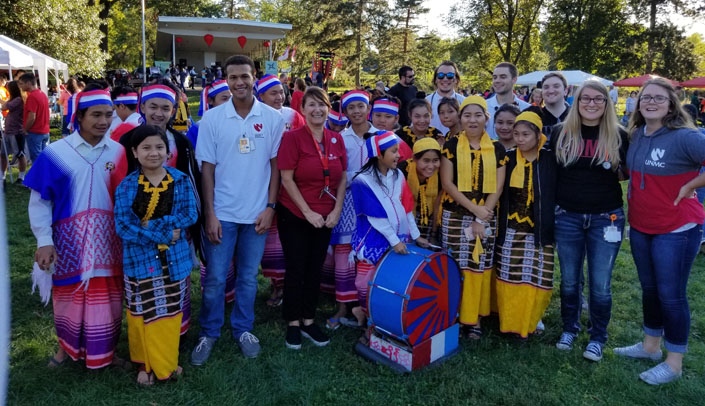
[(656, 99), (597, 100), (443, 75)]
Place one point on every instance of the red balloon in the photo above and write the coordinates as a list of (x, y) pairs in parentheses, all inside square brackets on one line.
[(179, 40), (208, 38), (242, 40), (265, 44)]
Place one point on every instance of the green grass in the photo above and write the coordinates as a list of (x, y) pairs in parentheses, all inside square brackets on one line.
[(495, 370)]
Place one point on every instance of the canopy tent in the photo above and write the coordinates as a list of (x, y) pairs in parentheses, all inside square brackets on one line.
[(13, 58), (698, 82), (638, 81), (40, 62), (574, 77)]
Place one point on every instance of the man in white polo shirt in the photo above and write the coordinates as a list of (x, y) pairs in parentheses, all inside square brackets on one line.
[(237, 144), (504, 77)]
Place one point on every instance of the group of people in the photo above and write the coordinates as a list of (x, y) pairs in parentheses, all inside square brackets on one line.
[(317, 195)]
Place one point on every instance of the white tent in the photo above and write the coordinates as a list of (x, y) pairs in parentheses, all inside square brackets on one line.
[(41, 62), (574, 77), (11, 58)]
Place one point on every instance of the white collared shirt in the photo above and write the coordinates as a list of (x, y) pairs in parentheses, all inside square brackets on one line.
[(493, 105)]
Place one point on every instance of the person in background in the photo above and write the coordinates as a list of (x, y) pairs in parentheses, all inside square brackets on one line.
[(405, 91), (504, 77), (13, 140), (446, 78), (70, 210), (630, 107), (420, 113), (536, 98), (590, 148), (448, 112), (270, 91), (664, 160), (125, 100), (554, 87), (35, 120), (298, 94), (67, 90), (504, 119)]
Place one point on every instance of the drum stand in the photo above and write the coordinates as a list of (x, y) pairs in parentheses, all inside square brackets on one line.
[(402, 357)]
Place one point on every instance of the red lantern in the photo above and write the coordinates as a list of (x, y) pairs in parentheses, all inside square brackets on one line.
[(179, 40), (208, 38), (265, 44), (242, 40)]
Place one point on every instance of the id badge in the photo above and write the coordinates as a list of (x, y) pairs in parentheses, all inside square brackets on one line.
[(245, 145), (253, 145), (612, 234), (468, 233)]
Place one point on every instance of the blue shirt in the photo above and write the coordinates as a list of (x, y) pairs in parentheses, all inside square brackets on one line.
[(139, 244)]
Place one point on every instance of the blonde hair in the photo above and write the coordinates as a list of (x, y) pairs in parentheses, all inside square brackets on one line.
[(569, 144)]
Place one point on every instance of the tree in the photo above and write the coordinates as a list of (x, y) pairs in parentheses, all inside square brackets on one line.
[(595, 36), (66, 30), (673, 56), (499, 30), (406, 11)]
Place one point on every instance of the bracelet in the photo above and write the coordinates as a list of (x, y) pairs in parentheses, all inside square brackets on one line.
[(478, 221)]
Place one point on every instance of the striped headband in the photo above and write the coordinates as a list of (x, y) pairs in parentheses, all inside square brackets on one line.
[(84, 100), (266, 83), (219, 86), (337, 118), (381, 141), (127, 98), (158, 92), (385, 106), (355, 96)]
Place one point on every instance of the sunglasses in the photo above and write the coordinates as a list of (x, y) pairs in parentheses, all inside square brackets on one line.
[(443, 75)]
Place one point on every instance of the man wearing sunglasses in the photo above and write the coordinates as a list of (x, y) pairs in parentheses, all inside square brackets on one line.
[(504, 77), (405, 91), (445, 79)]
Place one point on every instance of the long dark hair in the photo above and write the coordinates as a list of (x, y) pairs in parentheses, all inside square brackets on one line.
[(14, 89), (372, 166)]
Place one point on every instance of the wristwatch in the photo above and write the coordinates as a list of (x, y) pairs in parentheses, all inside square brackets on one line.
[(272, 205)]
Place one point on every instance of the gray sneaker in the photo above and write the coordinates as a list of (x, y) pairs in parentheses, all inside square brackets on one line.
[(660, 374), (200, 354), (249, 345), (637, 351)]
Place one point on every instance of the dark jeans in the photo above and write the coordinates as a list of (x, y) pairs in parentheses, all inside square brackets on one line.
[(663, 262), (580, 236), (305, 250)]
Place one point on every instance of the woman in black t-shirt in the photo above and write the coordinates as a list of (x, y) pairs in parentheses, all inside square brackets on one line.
[(590, 148)]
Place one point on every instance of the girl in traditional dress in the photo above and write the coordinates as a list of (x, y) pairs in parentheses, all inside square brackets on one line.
[(421, 174), (525, 230), (385, 209), (420, 115), (472, 175), (448, 113), (153, 205)]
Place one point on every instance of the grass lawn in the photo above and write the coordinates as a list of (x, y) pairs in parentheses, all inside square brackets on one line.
[(495, 370)]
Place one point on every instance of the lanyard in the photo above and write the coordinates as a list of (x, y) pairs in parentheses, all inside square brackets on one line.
[(324, 162)]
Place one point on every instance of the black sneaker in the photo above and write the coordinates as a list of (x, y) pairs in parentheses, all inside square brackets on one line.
[(313, 333), (293, 337)]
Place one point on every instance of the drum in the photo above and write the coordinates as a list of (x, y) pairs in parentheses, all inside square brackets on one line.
[(413, 297)]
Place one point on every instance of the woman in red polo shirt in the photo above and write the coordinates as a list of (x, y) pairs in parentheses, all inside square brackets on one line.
[(312, 162)]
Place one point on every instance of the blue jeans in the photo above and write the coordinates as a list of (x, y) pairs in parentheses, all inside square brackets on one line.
[(580, 236), (663, 262), (36, 144), (242, 241)]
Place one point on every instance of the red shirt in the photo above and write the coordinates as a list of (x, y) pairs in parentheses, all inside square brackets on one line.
[(38, 103), (296, 100), (298, 152)]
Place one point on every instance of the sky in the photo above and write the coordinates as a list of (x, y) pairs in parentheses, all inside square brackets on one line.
[(439, 9)]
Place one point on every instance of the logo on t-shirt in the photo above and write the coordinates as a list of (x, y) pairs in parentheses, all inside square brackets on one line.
[(258, 127), (656, 155)]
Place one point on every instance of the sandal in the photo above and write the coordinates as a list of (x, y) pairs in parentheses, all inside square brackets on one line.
[(351, 322), (145, 378), (473, 333), (55, 363), (176, 375), (276, 300), (333, 323), (122, 364)]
